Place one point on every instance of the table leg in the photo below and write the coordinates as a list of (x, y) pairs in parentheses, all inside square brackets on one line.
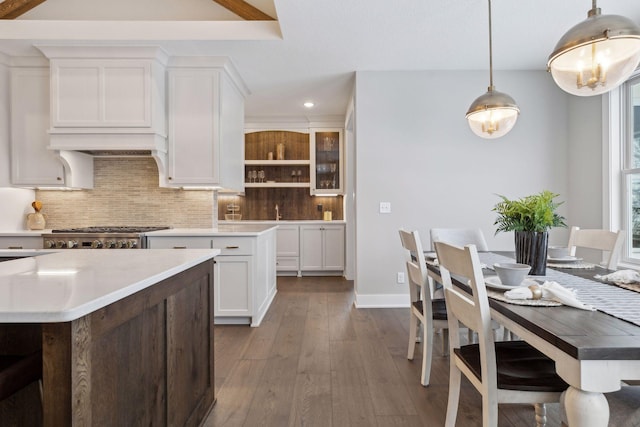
[(585, 409)]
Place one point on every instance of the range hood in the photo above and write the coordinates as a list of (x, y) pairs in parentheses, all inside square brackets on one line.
[(108, 100)]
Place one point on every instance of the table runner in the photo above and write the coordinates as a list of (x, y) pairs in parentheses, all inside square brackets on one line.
[(618, 302)]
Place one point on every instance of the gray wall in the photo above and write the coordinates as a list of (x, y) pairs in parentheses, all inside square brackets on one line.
[(415, 150)]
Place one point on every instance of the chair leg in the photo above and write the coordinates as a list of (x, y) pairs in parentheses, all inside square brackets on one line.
[(454, 394), (427, 353), (489, 409), (541, 414), (413, 329), (445, 342)]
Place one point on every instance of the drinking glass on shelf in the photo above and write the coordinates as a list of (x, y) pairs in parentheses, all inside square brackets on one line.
[(254, 175), (293, 176), (249, 175), (299, 175), (261, 175)]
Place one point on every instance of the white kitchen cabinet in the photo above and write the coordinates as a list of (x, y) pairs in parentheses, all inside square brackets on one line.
[(322, 248), (288, 248), (245, 276), (32, 164), (206, 128), (327, 161), (21, 242)]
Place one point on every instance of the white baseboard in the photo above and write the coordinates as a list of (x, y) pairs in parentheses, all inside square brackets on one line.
[(381, 301)]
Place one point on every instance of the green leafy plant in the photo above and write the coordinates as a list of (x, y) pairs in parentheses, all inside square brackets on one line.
[(536, 212)]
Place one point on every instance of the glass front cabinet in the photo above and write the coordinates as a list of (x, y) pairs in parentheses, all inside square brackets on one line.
[(327, 161)]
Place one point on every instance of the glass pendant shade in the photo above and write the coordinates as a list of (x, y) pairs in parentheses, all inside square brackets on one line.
[(493, 114), (596, 55)]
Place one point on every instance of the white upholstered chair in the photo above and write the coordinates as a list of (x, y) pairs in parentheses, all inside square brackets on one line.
[(604, 240), (503, 372), (426, 312)]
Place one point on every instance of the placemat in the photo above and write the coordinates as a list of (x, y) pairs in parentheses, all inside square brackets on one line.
[(614, 300), (635, 287), (497, 295)]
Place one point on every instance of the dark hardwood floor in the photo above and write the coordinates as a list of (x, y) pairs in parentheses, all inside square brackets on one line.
[(318, 361)]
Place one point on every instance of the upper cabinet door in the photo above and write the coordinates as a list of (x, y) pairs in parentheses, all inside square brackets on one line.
[(32, 164), (206, 129), (327, 161), (105, 93)]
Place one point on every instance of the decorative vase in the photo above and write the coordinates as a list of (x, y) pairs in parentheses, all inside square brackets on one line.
[(35, 221), (531, 249)]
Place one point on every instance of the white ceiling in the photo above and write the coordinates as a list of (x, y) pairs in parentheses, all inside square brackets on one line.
[(313, 49)]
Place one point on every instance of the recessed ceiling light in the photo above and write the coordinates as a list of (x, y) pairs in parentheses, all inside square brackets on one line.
[(309, 104)]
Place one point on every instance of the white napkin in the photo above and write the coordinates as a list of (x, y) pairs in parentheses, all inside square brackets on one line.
[(621, 276), (552, 291)]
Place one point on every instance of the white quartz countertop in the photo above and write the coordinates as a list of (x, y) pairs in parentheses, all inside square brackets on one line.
[(283, 222), (23, 233), (66, 285), (4, 253), (228, 229)]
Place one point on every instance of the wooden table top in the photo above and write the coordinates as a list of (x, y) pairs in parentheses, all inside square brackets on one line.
[(584, 335)]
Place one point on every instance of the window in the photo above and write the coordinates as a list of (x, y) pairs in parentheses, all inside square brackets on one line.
[(630, 140)]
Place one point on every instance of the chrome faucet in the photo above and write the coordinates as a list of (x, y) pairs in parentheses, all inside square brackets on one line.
[(278, 216)]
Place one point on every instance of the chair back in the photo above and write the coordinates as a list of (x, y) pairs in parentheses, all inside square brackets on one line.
[(416, 267), (472, 311), (459, 237), (604, 240)]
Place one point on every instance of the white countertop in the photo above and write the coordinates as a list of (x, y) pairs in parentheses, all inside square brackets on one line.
[(66, 285), (23, 233), (283, 222), (11, 253), (227, 229)]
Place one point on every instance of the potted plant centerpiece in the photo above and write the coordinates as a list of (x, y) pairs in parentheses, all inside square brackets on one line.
[(531, 218)]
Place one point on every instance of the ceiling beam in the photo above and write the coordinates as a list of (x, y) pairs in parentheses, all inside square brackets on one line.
[(11, 9), (244, 10)]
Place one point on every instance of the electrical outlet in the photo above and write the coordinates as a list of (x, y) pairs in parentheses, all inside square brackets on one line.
[(400, 278), (385, 207), (319, 208)]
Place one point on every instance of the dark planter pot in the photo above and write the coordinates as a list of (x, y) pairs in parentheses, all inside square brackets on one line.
[(531, 249)]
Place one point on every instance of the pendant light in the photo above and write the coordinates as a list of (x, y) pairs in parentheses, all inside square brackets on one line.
[(596, 55), (493, 114)]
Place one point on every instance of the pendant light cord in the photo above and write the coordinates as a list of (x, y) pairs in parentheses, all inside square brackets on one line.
[(491, 52)]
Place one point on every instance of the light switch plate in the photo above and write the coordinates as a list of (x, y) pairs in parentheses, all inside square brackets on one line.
[(385, 207)]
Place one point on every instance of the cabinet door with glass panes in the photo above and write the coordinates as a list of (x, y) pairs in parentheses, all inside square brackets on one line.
[(327, 161)]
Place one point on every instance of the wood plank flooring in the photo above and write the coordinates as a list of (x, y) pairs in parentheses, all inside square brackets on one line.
[(318, 361)]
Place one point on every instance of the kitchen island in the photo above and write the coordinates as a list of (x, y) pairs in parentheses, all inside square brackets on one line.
[(245, 271), (126, 336)]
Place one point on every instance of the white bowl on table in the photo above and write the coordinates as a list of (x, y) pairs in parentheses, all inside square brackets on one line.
[(556, 252), (511, 274)]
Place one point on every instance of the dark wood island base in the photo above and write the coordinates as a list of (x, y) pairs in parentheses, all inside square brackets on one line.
[(147, 359)]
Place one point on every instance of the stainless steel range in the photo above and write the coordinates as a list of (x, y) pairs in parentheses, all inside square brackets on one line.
[(98, 238)]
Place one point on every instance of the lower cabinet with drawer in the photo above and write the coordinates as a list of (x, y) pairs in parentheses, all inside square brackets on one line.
[(244, 272), (21, 242)]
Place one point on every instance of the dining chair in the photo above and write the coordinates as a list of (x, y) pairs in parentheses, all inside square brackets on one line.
[(504, 371), (604, 240), (459, 237), (427, 313), (17, 372)]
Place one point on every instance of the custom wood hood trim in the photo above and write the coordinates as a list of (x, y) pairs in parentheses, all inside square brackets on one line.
[(244, 10), (11, 9)]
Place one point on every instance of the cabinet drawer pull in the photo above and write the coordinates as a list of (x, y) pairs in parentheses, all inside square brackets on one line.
[(232, 247), (15, 247), (179, 247)]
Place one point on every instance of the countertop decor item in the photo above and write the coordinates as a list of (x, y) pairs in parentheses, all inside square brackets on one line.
[(494, 113), (36, 220), (531, 218)]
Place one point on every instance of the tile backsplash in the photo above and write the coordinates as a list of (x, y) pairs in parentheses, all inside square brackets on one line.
[(126, 192)]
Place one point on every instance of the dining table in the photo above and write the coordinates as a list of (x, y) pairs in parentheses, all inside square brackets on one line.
[(594, 351)]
